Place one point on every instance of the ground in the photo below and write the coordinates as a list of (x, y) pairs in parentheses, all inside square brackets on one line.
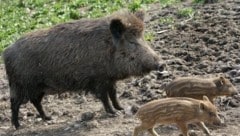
[(203, 43)]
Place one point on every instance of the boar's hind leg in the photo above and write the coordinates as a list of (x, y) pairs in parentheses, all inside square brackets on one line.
[(113, 96), (17, 95), (36, 101), (15, 105)]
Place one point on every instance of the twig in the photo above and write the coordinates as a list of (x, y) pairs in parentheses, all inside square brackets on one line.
[(159, 32)]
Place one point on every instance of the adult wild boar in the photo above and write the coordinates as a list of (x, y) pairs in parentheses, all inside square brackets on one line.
[(87, 54)]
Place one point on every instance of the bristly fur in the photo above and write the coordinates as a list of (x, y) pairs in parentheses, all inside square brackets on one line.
[(179, 110), (132, 21), (87, 54), (196, 87)]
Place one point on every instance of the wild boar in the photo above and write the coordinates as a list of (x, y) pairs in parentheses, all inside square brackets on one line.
[(194, 87), (179, 110), (86, 54)]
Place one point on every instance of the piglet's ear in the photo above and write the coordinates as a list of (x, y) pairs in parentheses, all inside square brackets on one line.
[(140, 14), (205, 98), (117, 29), (222, 80)]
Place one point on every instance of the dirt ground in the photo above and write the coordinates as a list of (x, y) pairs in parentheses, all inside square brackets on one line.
[(204, 45)]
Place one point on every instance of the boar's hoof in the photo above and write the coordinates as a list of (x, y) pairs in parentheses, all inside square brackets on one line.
[(110, 110), (119, 107), (115, 114), (46, 118), (118, 113), (17, 126), (15, 123)]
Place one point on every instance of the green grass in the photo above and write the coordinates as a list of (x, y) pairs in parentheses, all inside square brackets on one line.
[(166, 20), (149, 36), (186, 12), (199, 1), (165, 3), (21, 16)]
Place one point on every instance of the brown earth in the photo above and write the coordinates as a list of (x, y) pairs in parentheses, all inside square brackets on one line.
[(204, 44)]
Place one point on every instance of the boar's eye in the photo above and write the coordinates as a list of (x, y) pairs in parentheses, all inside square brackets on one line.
[(131, 42)]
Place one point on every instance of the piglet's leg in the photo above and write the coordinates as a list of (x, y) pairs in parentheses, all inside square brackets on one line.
[(137, 130), (153, 132), (183, 127), (142, 127), (202, 126)]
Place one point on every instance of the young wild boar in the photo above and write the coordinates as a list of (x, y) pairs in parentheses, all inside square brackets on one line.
[(198, 87), (179, 110), (90, 55)]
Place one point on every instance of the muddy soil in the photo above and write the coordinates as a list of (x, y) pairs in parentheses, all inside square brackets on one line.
[(204, 44)]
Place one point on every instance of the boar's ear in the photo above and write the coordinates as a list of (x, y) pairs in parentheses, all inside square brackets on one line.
[(140, 14), (117, 28), (205, 98), (202, 106)]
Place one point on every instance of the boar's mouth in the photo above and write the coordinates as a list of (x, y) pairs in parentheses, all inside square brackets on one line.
[(157, 67), (146, 70)]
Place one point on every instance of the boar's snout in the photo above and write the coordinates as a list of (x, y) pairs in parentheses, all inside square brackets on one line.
[(161, 67)]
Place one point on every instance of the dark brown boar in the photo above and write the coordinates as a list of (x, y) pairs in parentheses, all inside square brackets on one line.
[(196, 87), (87, 54)]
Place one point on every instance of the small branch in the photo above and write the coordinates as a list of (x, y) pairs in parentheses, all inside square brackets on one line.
[(163, 31)]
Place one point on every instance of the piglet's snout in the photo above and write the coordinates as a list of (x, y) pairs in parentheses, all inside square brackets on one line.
[(235, 93), (218, 121)]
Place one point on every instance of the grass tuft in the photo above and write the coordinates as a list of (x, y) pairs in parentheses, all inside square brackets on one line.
[(186, 12)]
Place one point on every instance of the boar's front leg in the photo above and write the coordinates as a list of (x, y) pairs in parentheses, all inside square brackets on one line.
[(101, 91), (113, 96), (103, 96)]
